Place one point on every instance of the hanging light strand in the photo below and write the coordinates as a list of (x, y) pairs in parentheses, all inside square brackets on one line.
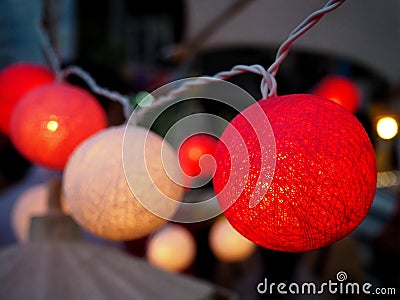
[(202, 80), (301, 29), (268, 84), (95, 88), (61, 74), (49, 52)]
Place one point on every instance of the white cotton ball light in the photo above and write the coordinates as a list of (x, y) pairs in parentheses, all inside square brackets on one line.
[(227, 244), (31, 203), (97, 192), (172, 248)]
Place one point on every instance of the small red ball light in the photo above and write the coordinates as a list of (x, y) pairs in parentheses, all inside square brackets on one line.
[(191, 152), (15, 81), (50, 121), (324, 181), (341, 90)]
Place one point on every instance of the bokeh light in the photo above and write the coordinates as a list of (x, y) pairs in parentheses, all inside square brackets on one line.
[(387, 128)]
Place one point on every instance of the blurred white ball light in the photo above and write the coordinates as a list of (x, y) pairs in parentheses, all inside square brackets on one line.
[(172, 248), (227, 244), (31, 203)]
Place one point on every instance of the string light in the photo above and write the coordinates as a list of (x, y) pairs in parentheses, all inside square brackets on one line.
[(341, 90), (196, 155), (52, 126), (50, 121), (305, 205), (227, 244), (387, 179), (387, 127), (144, 99), (112, 95), (268, 90), (33, 202), (98, 194), (172, 248), (15, 81), (268, 84)]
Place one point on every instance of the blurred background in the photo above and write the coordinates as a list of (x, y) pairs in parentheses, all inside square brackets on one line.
[(135, 48)]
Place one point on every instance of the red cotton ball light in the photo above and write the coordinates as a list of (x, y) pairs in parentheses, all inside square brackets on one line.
[(324, 180), (15, 81), (193, 151), (50, 121), (341, 90)]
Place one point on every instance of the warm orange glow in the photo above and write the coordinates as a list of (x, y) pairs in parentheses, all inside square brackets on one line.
[(195, 154), (334, 99)]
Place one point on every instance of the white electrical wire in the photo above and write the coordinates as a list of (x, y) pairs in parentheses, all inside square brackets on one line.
[(112, 95), (60, 74), (268, 84), (49, 52), (268, 81), (302, 28)]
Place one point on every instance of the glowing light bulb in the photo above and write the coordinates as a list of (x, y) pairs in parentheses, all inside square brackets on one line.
[(100, 198), (144, 99), (16, 80), (52, 126), (191, 152), (195, 154), (387, 128), (341, 90), (303, 205), (50, 121)]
